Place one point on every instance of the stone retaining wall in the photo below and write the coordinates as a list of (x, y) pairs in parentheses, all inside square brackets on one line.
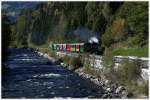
[(97, 62)]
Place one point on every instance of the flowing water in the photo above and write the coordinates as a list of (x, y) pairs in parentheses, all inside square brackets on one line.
[(32, 76)]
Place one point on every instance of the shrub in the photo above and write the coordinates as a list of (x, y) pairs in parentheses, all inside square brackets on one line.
[(130, 70), (88, 70), (136, 89), (52, 54), (145, 88), (76, 62), (127, 75), (117, 29), (66, 59), (108, 58), (107, 39)]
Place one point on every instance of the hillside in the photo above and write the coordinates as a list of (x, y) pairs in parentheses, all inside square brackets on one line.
[(119, 25)]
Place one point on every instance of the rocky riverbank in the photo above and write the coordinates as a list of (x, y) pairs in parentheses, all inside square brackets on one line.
[(112, 90)]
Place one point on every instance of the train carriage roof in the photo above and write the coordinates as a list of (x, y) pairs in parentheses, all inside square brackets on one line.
[(70, 44)]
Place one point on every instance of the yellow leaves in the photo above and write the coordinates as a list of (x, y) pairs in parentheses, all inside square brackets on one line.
[(117, 28), (35, 14)]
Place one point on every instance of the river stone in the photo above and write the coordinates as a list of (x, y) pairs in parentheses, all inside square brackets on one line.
[(110, 95), (90, 76), (119, 89), (45, 55), (104, 96), (124, 94), (81, 74), (62, 64), (96, 81), (65, 65), (113, 86), (108, 89), (41, 54), (115, 95), (107, 82), (70, 67), (101, 83)]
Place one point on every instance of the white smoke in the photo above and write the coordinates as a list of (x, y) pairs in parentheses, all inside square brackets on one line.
[(93, 40)]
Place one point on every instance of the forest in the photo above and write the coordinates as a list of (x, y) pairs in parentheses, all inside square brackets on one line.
[(120, 26)]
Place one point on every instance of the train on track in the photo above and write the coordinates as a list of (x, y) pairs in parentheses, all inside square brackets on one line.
[(78, 48), (92, 48)]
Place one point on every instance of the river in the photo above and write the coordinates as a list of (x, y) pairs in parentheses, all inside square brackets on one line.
[(32, 76)]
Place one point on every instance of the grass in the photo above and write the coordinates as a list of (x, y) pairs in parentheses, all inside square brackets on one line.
[(44, 48), (38, 46), (140, 52)]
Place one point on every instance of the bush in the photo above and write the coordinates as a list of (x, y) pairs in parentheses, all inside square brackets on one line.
[(107, 39), (145, 88), (88, 69), (76, 62), (129, 70), (52, 54), (108, 58), (66, 59), (48, 51), (138, 90), (127, 75)]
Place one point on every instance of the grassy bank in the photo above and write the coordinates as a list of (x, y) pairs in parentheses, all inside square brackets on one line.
[(44, 48), (140, 52)]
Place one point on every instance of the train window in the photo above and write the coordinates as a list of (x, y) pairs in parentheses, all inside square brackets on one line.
[(61, 47), (73, 48), (54, 47), (64, 47), (58, 48), (77, 47), (81, 48), (68, 47)]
